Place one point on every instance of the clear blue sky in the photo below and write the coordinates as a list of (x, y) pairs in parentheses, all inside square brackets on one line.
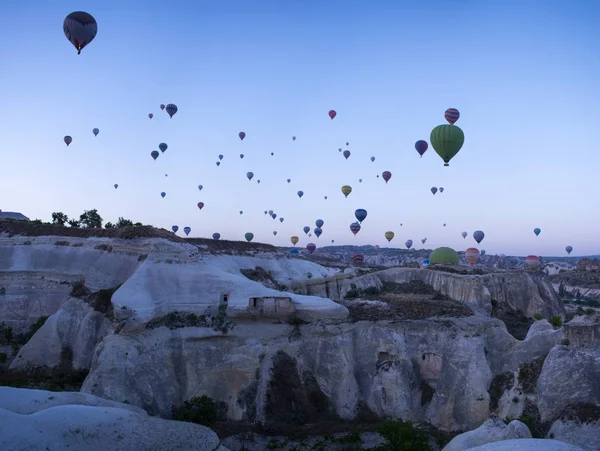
[(523, 73)]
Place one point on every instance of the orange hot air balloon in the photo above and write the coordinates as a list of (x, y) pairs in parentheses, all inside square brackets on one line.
[(472, 255)]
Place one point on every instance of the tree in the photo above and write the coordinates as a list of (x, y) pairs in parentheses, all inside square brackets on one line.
[(91, 219), (59, 218), (109, 225), (138, 224), (122, 222), (74, 223)]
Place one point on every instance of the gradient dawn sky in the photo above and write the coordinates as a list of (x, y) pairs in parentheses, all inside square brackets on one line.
[(523, 73)]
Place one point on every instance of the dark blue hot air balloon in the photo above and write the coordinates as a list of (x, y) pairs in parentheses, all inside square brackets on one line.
[(187, 230), (216, 236), (318, 231), (175, 228), (360, 214), (306, 229)]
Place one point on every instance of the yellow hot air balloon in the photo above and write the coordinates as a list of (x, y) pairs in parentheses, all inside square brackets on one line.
[(294, 240), (389, 236), (346, 189)]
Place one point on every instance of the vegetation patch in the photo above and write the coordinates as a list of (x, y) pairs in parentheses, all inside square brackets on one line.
[(178, 320), (402, 436), (580, 412), (200, 410), (529, 374), (79, 290), (498, 387), (62, 377), (102, 301)]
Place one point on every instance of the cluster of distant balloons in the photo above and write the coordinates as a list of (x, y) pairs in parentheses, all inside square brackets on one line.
[(81, 28)]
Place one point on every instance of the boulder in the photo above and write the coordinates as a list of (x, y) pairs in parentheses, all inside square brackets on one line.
[(493, 430)]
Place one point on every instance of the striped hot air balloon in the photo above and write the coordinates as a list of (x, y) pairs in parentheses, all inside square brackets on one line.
[(452, 115), (358, 258), (355, 228), (387, 175), (80, 28), (532, 260), (171, 109), (389, 235), (310, 247)]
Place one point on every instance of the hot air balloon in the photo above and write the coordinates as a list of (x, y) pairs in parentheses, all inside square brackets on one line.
[(482, 252), (249, 236), (294, 251), (360, 214), (372, 159), (162, 147), (355, 228), (532, 260), (272, 153), (249, 175), (464, 234), (280, 219), (293, 138), (154, 154), (451, 115), (258, 182), (359, 180), (421, 147), (300, 193), (424, 240), (200, 187), (444, 224), (358, 258), (426, 262), (216, 236), (346, 154), (150, 115), (220, 157), (162, 106), (200, 205), (441, 189), (306, 229), (387, 175), (68, 140), (289, 180), (478, 235), (447, 140), (319, 223), (537, 231), (273, 216), (175, 228), (275, 232), (325, 198), (80, 28), (569, 249), (472, 255), (294, 239), (389, 236), (171, 109), (310, 247), (116, 185), (95, 131), (242, 135), (408, 244), (433, 190), (187, 230), (318, 231), (241, 212), (332, 114), (163, 194)]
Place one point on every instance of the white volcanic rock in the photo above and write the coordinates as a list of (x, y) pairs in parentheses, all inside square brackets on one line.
[(75, 326), (527, 444), (95, 428), (493, 430)]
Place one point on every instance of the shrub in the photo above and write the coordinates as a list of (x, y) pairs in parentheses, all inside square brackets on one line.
[(201, 410), (36, 326), (3, 357), (352, 294), (402, 436), (372, 291), (78, 290), (556, 321), (537, 316)]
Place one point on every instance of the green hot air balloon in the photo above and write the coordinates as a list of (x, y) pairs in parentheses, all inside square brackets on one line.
[(443, 256), (447, 141), (249, 236)]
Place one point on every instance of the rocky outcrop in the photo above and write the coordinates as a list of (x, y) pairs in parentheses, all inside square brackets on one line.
[(493, 430), (154, 276), (80, 421), (76, 326)]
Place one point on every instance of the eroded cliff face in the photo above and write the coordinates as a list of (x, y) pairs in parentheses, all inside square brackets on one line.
[(430, 370)]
